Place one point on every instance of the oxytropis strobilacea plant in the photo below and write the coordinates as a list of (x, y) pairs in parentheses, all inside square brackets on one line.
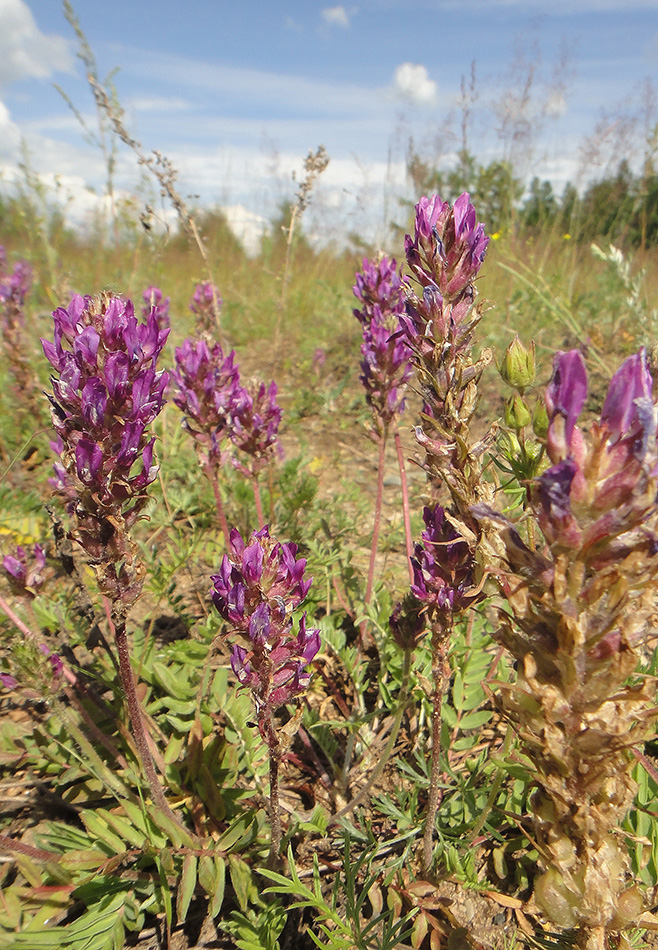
[(256, 416), (107, 390), (444, 255), (220, 413), (206, 385), (14, 288), (206, 304), (386, 369), (575, 616), (257, 588)]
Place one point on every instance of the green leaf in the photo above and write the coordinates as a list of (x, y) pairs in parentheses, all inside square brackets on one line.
[(241, 879), (96, 827), (475, 719), (186, 886), (219, 885)]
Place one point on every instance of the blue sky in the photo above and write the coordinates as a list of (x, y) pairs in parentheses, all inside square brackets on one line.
[(236, 93)]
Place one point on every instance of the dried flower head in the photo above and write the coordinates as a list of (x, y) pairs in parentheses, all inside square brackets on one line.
[(575, 611)]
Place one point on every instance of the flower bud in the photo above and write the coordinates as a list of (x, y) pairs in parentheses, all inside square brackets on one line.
[(517, 414), (518, 366), (540, 421)]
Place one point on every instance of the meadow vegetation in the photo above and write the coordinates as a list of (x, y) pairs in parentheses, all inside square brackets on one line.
[(447, 738)]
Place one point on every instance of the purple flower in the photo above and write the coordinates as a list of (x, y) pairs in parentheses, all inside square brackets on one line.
[(565, 397), (206, 304), (551, 495), (207, 385), (448, 246), (257, 588), (14, 288), (24, 570), (155, 302), (443, 566), (628, 407), (255, 416)]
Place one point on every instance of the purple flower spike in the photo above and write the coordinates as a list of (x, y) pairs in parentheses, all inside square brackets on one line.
[(386, 366), (106, 391), (264, 571), (448, 246), (207, 384), (256, 590), (206, 304), (444, 567), (255, 416)]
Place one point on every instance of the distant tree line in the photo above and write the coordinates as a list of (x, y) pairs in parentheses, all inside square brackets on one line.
[(621, 208)]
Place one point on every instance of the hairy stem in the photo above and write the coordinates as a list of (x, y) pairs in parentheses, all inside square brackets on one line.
[(440, 640), (211, 472), (274, 810), (405, 503), (376, 525), (259, 503), (137, 721)]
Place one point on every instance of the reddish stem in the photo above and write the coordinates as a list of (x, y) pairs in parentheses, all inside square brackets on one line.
[(274, 747), (440, 641), (405, 503), (375, 529), (211, 472), (377, 518), (259, 503), (137, 721)]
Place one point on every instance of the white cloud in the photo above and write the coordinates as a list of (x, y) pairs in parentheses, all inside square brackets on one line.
[(293, 25), (158, 104), (556, 105), (247, 226), (336, 16), (26, 52), (9, 134), (411, 80)]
